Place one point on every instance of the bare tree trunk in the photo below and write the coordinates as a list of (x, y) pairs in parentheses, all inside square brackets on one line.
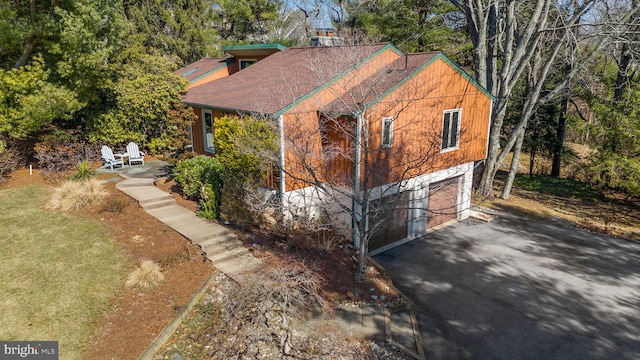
[(517, 40), (515, 163), (622, 80), (499, 71), (34, 39), (491, 166), (561, 131), (532, 160), (29, 46)]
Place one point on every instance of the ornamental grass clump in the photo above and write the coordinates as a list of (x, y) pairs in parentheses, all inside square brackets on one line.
[(145, 277), (76, 195)]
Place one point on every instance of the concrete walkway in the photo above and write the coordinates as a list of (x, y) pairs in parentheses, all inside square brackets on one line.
[(219, 245), (227, 253)]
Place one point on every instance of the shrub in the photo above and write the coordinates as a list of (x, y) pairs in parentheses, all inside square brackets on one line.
[(63, 152), (245, 147), (202, 178), (9, 161), (147, 276), (265, 314), (208, 203), (75, 195), (176, 138)]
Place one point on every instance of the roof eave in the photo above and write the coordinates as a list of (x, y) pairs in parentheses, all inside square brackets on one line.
[(221, 108), (253, 49), (227, 62), (442, 56), (323, 86)]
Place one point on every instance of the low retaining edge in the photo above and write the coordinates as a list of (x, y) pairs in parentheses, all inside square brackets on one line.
[(171, 327)]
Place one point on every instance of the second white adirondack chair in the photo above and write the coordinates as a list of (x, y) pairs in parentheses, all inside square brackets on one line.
[(135, 155)]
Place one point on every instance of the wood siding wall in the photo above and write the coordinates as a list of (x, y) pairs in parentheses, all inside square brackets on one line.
[(197, 132), (222, 72), (417, 107), (225, 71), (303, 131)]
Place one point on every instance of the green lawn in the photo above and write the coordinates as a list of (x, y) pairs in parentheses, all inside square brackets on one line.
[(566, 188), (57, 272)]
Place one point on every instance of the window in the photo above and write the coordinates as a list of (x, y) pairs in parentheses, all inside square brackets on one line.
[(450, 129), (246, 63), (387, 132), (207, 124)]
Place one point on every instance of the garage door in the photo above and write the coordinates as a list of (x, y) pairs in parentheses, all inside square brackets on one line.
[(391, 219), (443, 199)]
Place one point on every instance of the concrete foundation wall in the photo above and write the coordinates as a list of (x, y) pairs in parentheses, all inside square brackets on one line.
[(314, 203)]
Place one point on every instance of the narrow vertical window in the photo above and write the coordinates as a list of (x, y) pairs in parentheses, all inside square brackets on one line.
[(207, 124), (387, 132), (450, 129)]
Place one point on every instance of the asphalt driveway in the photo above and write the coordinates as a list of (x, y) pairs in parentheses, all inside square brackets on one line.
[(516, 289)]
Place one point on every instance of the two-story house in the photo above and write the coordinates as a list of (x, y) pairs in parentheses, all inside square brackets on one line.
[(407, 128)]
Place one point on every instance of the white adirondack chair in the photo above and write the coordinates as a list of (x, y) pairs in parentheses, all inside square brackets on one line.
[(135, 155), (110, 159)]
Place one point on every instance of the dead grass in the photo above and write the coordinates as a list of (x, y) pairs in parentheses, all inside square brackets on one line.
[(57, 272), (145, 277), (76, 195), (577, 204)]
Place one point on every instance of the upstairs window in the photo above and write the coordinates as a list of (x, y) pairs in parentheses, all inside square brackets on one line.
[(387, 132), (245, 63), (450, 129), (207, 127)]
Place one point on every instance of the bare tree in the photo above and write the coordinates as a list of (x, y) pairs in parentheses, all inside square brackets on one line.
[(292, 25), (623, 29), (262, 318), (508, 36)]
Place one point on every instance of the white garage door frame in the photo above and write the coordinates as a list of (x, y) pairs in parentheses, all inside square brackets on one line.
[(419, 200)]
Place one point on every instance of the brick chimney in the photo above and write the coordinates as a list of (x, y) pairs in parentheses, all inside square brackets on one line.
[(326, 37)]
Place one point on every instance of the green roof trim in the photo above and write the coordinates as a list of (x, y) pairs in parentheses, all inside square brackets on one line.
[(336, 78), (254, 47), (209, 107), (466, 76), (227, 62), (442, 56)]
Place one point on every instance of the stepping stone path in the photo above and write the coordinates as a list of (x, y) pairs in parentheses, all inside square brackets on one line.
[(221, 246)]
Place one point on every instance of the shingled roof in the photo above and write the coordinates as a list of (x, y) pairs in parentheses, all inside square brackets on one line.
[(378, 85), (201, 67), (280, 79)]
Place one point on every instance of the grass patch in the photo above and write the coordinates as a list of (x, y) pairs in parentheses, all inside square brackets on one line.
[(57, 272), (566, 188)]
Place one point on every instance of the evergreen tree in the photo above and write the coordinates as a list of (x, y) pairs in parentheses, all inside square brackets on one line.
[(174, 28), (412, 25)]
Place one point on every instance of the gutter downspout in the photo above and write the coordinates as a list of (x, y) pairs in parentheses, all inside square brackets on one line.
[(281, 155), (357, 207)]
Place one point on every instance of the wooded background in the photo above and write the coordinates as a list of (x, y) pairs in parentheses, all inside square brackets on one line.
[(81, 71)]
